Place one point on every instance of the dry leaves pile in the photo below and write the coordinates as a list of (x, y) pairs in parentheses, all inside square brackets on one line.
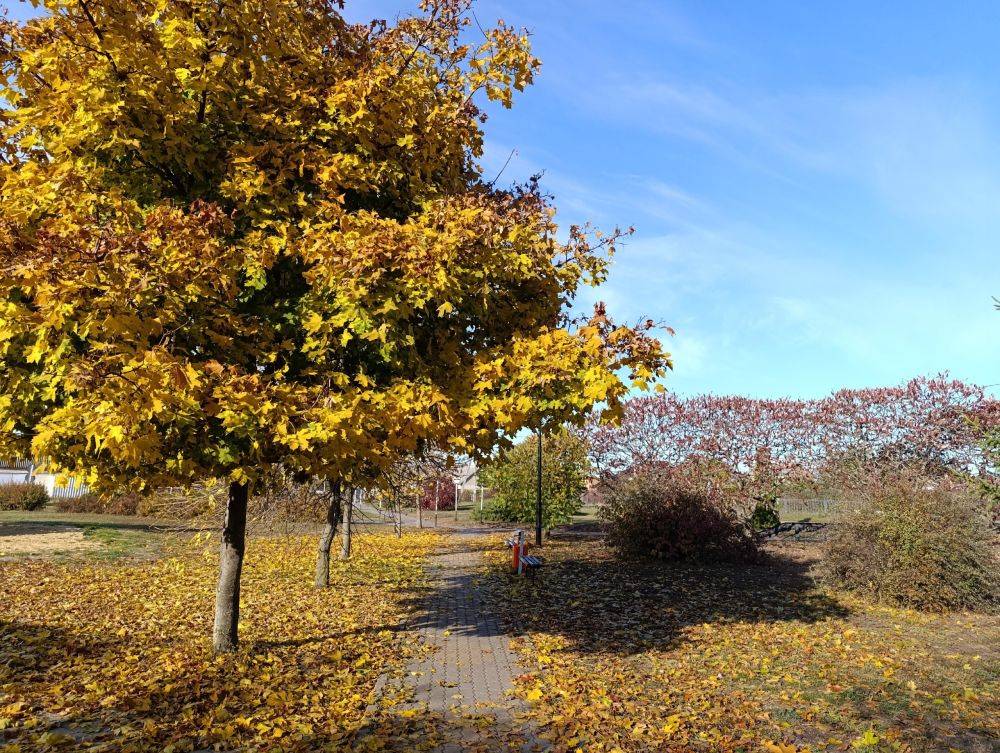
[(632, 657), (117, 657)]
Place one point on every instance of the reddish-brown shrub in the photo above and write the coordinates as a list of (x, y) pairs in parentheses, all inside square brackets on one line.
[(23, 496), (121, 504), (443, 487), (665, 516)]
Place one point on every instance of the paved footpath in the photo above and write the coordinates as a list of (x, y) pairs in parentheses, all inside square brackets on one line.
[(461, 686)]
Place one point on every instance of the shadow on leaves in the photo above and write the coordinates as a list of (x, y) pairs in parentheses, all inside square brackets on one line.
[(601, 603)]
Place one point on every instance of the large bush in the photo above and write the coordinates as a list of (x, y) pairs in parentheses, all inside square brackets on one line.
[(120, 504), (278, 502), (988, 484), (668, 516), (916, 541), (23, 497), (178, 503)]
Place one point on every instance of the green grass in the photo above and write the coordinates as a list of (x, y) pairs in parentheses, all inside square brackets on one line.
[(119, 536), (587, 514), (117, 542)]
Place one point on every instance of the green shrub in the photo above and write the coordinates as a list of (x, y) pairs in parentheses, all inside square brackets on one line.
[(764, 515), (665, 516), (23, 497), (513, 477), (917, 542)]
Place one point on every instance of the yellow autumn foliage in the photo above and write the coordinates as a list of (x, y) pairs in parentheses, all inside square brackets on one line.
[(247, 233)]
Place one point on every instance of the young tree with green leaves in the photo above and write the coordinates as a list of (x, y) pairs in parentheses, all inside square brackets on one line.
[(513, 477)]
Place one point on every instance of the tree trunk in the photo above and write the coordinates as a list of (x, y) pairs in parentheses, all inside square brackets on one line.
[(227, 595), (345, 533), (326, 539)]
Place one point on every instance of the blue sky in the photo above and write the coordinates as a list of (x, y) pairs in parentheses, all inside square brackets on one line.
[(815, 187)]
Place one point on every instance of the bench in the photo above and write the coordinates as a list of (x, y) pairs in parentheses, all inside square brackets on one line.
[(530, 563), (525, 563)]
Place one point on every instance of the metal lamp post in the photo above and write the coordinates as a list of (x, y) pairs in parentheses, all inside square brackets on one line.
[(538, 492)]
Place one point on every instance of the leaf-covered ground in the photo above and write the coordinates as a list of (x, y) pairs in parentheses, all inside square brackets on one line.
[(116, 656), (633, 657)]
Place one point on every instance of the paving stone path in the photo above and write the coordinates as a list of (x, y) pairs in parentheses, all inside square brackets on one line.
[(473, 664), (461, 685)]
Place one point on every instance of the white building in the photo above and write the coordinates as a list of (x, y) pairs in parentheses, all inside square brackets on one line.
[(466, 475)]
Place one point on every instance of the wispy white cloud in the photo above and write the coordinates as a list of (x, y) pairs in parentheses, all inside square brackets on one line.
[(690, 354), (927, 148), (800, 232), (924, 147)]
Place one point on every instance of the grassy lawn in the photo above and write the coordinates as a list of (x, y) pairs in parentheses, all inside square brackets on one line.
[(640, 657), (115, 654), (116, 542), (61, 535)]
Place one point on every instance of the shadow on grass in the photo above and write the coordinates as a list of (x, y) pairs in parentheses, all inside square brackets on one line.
[(185, 700)]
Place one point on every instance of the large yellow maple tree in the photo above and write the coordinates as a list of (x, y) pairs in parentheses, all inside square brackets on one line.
[(238, 234)]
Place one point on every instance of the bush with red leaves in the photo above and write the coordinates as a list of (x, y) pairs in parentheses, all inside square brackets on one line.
[(443, 488), (673, 517)]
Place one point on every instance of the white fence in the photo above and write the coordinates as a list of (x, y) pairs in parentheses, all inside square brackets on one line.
[(23, 472)]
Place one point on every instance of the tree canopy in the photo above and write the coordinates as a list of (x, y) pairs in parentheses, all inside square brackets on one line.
[(936, 423), (247, 232)]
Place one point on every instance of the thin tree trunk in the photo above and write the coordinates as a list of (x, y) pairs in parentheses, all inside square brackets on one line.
[(326, 539), (345, 533), (227, 595)]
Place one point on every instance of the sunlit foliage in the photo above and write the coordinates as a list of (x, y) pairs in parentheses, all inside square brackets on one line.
[(237, 234)]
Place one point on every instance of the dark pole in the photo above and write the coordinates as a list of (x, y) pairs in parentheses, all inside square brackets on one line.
[(538, 493)]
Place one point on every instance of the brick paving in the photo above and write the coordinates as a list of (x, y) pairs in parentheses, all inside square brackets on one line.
[(461, 685), (472, 664)]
